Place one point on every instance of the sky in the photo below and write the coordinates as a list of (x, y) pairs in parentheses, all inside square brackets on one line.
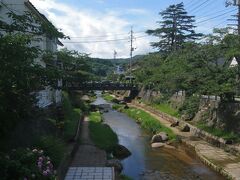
[(100, 27)]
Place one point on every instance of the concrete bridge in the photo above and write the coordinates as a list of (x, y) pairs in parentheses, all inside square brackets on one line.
[(101, 86)]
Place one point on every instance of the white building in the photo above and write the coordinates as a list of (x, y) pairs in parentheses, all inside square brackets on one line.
[(119, 70), (48, 95), (234, 62)]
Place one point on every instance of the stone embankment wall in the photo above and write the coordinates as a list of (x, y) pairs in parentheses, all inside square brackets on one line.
[(219, 142), (211, 112), (219, 115)]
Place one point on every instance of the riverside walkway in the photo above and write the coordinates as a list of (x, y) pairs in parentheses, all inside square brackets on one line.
[(221, 161), (89, 161)]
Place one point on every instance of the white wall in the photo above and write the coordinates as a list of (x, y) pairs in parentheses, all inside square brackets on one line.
[(47, 96)]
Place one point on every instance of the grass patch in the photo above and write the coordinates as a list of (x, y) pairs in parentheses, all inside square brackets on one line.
[(166, 108), (101, 134), (95, 117), (148, 122), (117, 106), (124, 177), (107, 97), (219, 133), (71, 118)]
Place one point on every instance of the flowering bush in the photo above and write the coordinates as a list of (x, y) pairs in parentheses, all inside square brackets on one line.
[(26, 164)]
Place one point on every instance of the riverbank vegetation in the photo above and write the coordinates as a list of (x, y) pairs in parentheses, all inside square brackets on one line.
[(101, 134), (146, 120), (187, 69), (166, 108), (227, 135), (108, 97)]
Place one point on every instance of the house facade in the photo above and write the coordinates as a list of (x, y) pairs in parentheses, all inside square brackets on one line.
[(48, 95)]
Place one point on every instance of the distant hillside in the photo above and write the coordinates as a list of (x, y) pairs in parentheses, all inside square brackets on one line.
[(121, 61), (103, 67)]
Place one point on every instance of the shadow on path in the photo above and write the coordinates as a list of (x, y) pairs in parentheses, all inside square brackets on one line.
[(88, 155)]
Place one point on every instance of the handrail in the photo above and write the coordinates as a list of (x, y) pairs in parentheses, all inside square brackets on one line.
[(100, 86)]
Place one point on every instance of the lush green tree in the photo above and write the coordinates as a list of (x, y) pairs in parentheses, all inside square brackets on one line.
[(195, 68), (175, 28), (74, 66), (20, 73)]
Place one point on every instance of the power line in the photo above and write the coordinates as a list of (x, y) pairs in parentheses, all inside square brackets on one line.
[(199, 5), (192, 3), (203, 7), (102, 41), (210, 14), (222, 22), (214, 17), (112, 34)]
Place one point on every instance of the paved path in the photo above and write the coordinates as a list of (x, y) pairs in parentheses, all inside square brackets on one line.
[(89, 173), (89, 161), (88, 155), (221, 161)]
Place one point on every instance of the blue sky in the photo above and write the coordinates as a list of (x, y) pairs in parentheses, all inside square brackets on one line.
[(88, 21)]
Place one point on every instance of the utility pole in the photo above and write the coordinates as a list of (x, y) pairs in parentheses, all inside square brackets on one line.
[(131, 53), (236, 3), (114, 54), (238, 17)]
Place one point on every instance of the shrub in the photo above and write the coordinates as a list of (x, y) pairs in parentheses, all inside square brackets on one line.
[(227, 135), (71, 118), (54, 147), (190, 106), (26, 164), (166, 108)]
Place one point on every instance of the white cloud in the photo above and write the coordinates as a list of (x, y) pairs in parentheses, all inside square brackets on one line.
[(136, 11), (76, 22)]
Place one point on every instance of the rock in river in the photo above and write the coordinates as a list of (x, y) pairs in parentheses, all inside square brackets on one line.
[(121, 152), (160, 137), (157, 145)]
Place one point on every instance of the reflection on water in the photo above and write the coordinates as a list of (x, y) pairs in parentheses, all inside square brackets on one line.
[(176, 162)]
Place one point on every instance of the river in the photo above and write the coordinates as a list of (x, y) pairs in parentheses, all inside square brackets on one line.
[(180, 163)]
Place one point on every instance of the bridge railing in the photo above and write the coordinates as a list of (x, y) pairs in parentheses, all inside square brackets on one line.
[(100, 86)]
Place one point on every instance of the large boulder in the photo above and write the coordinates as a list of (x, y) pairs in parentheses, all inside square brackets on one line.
[(121, 152), (85, 98), (185, 128), (174, 124), (160, 137), (118, 167)]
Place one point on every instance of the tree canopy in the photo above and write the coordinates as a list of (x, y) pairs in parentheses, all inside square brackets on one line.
[(196, 68), (175, 28)]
